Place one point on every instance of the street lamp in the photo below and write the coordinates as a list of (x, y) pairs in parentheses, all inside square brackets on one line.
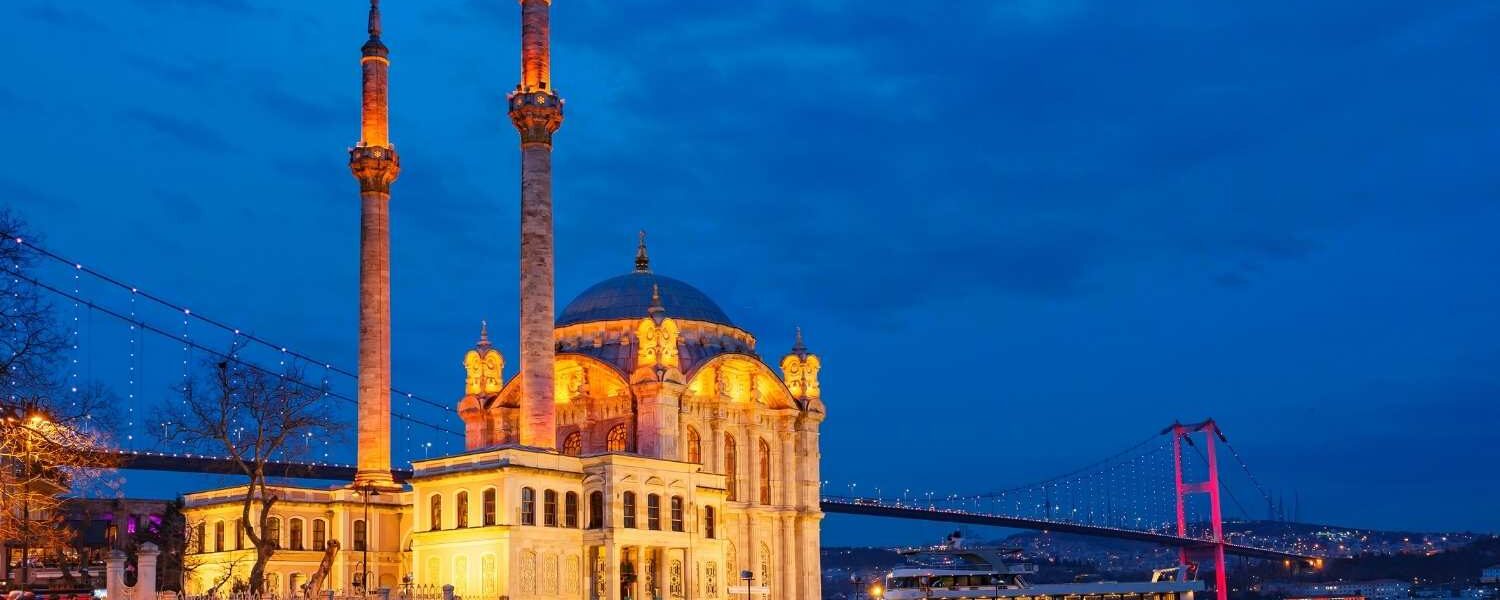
[(367, 491), (876, 591)]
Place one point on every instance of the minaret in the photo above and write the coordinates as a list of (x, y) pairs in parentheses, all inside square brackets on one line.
[(536, 112), (373, 162)]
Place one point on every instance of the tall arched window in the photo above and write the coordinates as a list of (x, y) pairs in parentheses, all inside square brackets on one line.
[(570, 510), (676, 508), (549, 508), (201, 532), (731, 463), (273, 533), (435, 512), (573, 444), (694, 446), (461, 510), (219, 537), (765, 472), (320, 534), (528, 506), (628, 510), (596, 510), (359, 534), (617, 439), (653, 512), (295, 534), (489, 506), (708, 522), (239, 535)]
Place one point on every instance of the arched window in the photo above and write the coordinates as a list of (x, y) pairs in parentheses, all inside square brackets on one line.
[(573, 444), (528, 506), (489, 506), (765, 472), (219, 537), (549, 508), (461, 510), (653, 512), (628, 506), (694, 446), (201, 532), (435, 512), (596, 510), (359, 534), (617, 439), (731, 463), (320, 534), (676, 513), (570, 510), (239, 535), (295, 532), (708, 522), (273, 533)]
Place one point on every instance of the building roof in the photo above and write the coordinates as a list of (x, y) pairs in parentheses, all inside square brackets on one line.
[(629, 297)]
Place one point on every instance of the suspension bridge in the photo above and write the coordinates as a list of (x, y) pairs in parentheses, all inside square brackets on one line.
[(1164, 490)]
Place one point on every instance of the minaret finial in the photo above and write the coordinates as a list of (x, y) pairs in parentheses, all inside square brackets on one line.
[(374, 19), (484, 333), (642, 262)]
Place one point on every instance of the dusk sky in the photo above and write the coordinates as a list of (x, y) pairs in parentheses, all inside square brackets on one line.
[(1021, 234)]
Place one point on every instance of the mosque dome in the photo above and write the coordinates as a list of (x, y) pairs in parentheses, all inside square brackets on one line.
[(628, 296)]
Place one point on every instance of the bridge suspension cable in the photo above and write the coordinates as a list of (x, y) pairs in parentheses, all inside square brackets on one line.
[(78, 267), (144, 326)]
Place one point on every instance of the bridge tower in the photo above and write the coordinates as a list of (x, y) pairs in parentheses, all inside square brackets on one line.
[(1183, 434), (374, 163), (536, 111)]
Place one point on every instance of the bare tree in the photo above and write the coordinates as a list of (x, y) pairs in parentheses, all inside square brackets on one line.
[(253, 416), (40, 459)]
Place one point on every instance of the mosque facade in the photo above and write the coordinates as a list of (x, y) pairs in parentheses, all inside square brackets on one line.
[(643, 449)]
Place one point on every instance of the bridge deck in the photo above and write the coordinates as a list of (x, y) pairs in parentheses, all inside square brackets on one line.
[(850, 506)]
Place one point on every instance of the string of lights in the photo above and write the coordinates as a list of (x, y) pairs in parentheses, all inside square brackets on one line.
[(191, 345), (188, 314)]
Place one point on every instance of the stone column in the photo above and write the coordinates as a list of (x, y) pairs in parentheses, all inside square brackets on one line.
[(375, 164), (145, 571), (114, 576), (659, 418)]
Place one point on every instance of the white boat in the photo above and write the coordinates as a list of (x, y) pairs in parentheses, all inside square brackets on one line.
[(950, 571)]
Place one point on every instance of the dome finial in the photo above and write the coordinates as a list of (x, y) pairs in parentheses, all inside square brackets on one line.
[(484, 333), (642, 262), (657, 310)]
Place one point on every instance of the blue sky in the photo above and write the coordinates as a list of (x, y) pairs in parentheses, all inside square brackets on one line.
[(1020, 233)]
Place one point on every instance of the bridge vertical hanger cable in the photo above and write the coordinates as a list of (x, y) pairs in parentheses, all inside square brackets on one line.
[(200, 317), (147, 327)]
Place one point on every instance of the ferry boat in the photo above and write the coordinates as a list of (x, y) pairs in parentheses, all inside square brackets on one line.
[(951, 571)]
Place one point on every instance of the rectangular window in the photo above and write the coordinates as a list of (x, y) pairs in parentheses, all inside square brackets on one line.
[(359, 535), (296, 533), (629, 505), (489, 506), (570, 510), (653, 512), (676, 513), (461, 510), (320, 534), (708, 522), (528, 506), (549, 508)]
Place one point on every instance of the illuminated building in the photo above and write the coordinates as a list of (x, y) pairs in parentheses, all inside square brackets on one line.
[(643, 449)]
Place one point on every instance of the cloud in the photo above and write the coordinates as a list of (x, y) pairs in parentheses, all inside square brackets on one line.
[(188, 133)]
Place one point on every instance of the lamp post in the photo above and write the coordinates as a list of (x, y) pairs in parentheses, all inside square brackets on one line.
[(367, 491)]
